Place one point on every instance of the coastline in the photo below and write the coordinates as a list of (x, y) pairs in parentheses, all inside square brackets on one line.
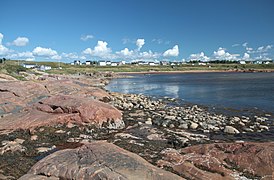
[(146, 127), (199, 71)]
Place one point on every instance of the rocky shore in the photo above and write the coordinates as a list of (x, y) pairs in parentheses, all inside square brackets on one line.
[(69, 127)]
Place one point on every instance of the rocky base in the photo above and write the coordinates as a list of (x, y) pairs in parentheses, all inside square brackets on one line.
[(188, 141)]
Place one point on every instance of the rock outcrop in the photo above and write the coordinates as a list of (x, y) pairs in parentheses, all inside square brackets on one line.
[(222, 160), (62, 109), (96, 160)]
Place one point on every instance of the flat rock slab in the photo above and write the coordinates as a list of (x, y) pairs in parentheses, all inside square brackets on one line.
[(96, 160), (222, 160), (63, 109)]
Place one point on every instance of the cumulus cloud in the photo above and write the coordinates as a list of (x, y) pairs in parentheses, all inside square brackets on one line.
[(149, 55), (100, 50), (47, 52), (172, 52), (125, 52), (221, 54), (199, 57), (20, 41), (1, 38), (140, 43), (87, 51), (246, 56), (3, 50), (86, 37)]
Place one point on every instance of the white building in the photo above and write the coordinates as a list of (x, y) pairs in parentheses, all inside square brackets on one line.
[(114, 64), (29, 66), (242, 62), (102, 63), (88, 63), (77, 62), (44, 68)]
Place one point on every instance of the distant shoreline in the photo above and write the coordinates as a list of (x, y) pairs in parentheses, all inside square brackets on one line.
[(198, 71)]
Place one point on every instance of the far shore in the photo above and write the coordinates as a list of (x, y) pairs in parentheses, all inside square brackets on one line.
[(198, 71)]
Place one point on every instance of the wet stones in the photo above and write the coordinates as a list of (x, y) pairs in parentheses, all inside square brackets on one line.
[(231, 130), (12, 146)]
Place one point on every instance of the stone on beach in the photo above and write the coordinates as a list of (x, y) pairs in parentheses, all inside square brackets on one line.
[(231, 130), (96, 160)]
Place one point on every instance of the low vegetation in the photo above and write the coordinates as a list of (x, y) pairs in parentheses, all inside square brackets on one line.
[(14, 68)]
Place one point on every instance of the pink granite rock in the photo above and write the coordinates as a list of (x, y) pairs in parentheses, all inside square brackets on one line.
[(96, 160)]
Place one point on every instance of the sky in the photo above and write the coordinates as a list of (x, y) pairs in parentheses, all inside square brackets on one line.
[(132, 30)]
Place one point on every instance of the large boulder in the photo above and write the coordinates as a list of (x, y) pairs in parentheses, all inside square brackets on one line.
[(96, 160), (222, 160), (62, 109)]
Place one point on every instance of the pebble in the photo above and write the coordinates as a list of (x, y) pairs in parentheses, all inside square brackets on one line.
[(231, 130), (193, 125)]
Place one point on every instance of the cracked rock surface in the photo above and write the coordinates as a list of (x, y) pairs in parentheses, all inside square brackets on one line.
[(96, 160)]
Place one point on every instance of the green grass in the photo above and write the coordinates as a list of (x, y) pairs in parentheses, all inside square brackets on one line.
[(12, 68)]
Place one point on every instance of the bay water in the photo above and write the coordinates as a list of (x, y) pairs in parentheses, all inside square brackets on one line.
[(223, 90)]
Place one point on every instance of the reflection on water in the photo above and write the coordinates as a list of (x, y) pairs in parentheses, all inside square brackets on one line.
[(235, 90)]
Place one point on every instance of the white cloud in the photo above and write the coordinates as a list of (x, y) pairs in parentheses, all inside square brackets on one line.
[(235, 45), (3, 50), (127, 40), (221, 54), (86, 37), (199, 57), (47, 52), (87, 51), (140, 43), (1, 38), (56, 57), (100, 50), (70, 55), (246, 56), (172, 52), (263, 49), (148, 55), (20, 41), (125, 52), (245, 44)]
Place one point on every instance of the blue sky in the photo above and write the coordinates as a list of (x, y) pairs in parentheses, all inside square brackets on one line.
[(137, 29)]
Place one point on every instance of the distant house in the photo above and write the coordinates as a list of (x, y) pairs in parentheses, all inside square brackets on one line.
[(77, 62), (102, 63), (29, 66), (267, 62), (164, 63), (88, 63), (108, 63), (114, 64), (242, 62), (44, 68), (201, 64), (257, 62), (153, 63)]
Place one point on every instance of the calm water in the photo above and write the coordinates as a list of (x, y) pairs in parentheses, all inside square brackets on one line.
[(230, 90)]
